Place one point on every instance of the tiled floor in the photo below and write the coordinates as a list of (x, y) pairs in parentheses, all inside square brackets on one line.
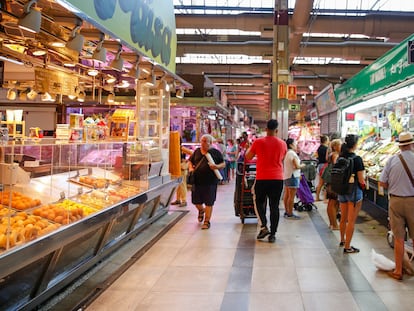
[(226, 268)]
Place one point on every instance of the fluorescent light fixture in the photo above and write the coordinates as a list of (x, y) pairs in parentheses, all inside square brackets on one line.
[(32, 18), (11, 60)]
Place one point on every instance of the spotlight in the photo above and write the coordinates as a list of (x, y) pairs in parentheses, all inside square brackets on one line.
[(11, 94), (32, 18), (81, 96), (100, 53), (118, 62), (46, 97), (32, 94), (179, 93), (111, 97), (76, 42), (110, 79)]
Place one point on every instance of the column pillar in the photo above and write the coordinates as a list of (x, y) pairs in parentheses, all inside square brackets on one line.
[(280, 67)]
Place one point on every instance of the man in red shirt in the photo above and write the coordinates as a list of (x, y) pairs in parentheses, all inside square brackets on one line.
[(270, 152)]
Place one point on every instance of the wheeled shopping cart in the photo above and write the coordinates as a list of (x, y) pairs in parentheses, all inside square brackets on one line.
[(310, 171), (243, 198), (305, 196)]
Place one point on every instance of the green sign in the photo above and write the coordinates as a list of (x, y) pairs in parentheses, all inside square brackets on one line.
[(388, 70), (294, 107), (145, 26)]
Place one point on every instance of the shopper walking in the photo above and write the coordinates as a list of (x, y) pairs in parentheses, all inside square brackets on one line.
[(291, 177), (333, 203), (269, 151), (322, 162), (204, 190), (231, 153), (350, 204), (396, 178)]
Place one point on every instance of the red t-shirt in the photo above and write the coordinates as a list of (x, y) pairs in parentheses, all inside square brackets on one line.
[(270, 152)]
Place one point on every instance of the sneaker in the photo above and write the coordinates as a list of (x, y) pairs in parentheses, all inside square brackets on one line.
[(177, 202), (293, 216), (183, 204), (272, 238), (263, 233), (351, 250)]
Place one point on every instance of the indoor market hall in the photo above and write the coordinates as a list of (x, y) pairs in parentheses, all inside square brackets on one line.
[(226, 268)]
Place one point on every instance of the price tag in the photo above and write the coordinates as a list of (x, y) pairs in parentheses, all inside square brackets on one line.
[(380, 189)]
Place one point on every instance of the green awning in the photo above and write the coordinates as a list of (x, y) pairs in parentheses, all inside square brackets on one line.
[(388, 70)]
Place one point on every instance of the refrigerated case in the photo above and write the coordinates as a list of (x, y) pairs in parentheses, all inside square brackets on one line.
[(94, 198)]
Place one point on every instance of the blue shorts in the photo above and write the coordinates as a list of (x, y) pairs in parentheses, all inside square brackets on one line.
[(292, 182), (351, 197)]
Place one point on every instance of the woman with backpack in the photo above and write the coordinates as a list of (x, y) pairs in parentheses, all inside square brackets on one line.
[(333, 204), (350, 204)]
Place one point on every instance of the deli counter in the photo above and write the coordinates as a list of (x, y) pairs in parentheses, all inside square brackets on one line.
[(66, 206)]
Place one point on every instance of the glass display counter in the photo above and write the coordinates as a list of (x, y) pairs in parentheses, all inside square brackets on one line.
[(58, 221)]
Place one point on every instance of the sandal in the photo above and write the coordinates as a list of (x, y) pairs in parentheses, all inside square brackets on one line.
[(395, 276), (206, 225), (351, 250), (341, 244), (200, 216)]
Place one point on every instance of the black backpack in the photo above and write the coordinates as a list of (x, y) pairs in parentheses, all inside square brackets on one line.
[(342, 176)]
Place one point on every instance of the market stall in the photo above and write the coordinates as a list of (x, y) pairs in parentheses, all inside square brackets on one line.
[(377, 104)]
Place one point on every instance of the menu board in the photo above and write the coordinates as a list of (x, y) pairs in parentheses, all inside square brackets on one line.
[(55, 82), (325, 101)]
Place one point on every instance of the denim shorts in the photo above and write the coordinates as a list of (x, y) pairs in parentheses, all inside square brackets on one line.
[(292, 182), (351, 197)]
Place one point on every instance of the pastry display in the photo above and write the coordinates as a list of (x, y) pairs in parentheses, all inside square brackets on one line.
[(17, 200), (23, 227), (93, 182)]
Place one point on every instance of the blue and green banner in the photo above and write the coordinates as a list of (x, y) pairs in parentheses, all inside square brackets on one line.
[(148, 26), (388, 70)]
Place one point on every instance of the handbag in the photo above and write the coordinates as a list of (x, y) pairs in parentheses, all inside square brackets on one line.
[(191, 175)]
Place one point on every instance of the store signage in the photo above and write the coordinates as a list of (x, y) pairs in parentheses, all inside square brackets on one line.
[(282, 91), (291, 92), (294, 107), (388, 70), (145, 26), (410, 48), (55, 82)]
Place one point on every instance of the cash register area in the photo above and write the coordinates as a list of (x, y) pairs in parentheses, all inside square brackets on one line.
[(227, 268)]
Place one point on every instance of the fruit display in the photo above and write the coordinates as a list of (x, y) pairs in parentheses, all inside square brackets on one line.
[(17, 200), (23, 227)]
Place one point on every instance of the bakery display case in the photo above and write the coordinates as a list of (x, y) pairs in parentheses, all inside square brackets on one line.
[(89, 199)]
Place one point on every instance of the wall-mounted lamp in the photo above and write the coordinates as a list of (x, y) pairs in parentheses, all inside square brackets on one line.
[(76, 41), (100, 52), (179, 93), (32, 18), (117, 63)]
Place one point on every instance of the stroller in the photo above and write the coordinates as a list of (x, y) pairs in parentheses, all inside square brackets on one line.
[(309, 171), (305, 196)]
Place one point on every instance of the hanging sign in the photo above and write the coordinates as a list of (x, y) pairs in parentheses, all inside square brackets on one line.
[(294, 107), (144, 26), (282, 91), (55, 82), (291, 92)]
